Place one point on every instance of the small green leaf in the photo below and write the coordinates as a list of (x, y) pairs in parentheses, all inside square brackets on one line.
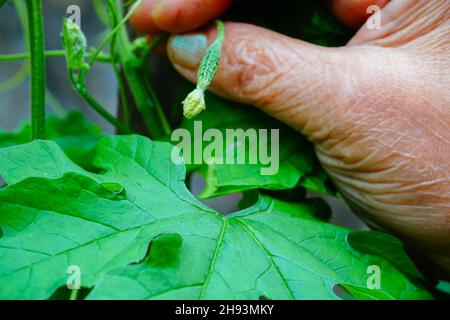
[(318, 181), (386, 246), (444, 287)]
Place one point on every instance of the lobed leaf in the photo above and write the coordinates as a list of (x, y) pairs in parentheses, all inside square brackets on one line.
[(73, 133), (154, 240)]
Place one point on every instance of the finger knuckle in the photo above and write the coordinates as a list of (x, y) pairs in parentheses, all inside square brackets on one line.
[(251, 67)]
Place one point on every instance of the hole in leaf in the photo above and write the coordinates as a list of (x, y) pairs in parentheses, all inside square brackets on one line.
[(163, 250), (64, 293), (342, 215), (1, 233), (329, 184), (249, 199), (321, 208), (224, 204), (264, 297), (341, 292), (292, 195)]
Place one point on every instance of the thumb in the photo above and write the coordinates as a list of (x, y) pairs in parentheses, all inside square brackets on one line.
[(299, 83)]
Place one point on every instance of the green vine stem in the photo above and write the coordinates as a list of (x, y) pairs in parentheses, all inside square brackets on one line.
[(51, 54), (84, 93), (154, 119), (74, 294), (37, 62), (120, 80)]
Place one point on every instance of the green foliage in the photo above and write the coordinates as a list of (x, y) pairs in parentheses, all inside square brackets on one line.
[(73, 133), (118, 207), (153, 239), (75, 47), (298, 164), (386, 246), (444, 288)]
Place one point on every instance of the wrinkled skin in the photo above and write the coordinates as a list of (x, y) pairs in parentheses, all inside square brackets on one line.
[(377, 110)]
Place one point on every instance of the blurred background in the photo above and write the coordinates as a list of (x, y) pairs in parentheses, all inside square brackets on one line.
[(14, 91), (14, 96)]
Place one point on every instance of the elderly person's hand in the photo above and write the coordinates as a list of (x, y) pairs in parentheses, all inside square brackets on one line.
[(377, 110)]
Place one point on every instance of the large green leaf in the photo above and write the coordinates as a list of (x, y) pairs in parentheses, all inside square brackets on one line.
[(386, 246), (73, 133), (53, 214), (297, 161)]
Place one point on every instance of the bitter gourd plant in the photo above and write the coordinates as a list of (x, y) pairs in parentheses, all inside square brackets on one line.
[(118, 209)]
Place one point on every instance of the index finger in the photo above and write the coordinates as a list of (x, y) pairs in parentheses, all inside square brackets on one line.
[(176, 16)]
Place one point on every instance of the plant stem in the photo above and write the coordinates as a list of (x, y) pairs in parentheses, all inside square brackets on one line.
[(159, 110), (122, 93), (37, 62), (154, 119), (155, 42), (102, 111), (48, 54), (120, 82), (80, 88), (114, 31), (74, 294)]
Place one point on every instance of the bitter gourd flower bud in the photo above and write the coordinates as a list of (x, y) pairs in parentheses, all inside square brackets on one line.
[(195, 101), (75, 45)]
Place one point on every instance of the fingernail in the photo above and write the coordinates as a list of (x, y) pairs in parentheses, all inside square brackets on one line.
[(187, 50)]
